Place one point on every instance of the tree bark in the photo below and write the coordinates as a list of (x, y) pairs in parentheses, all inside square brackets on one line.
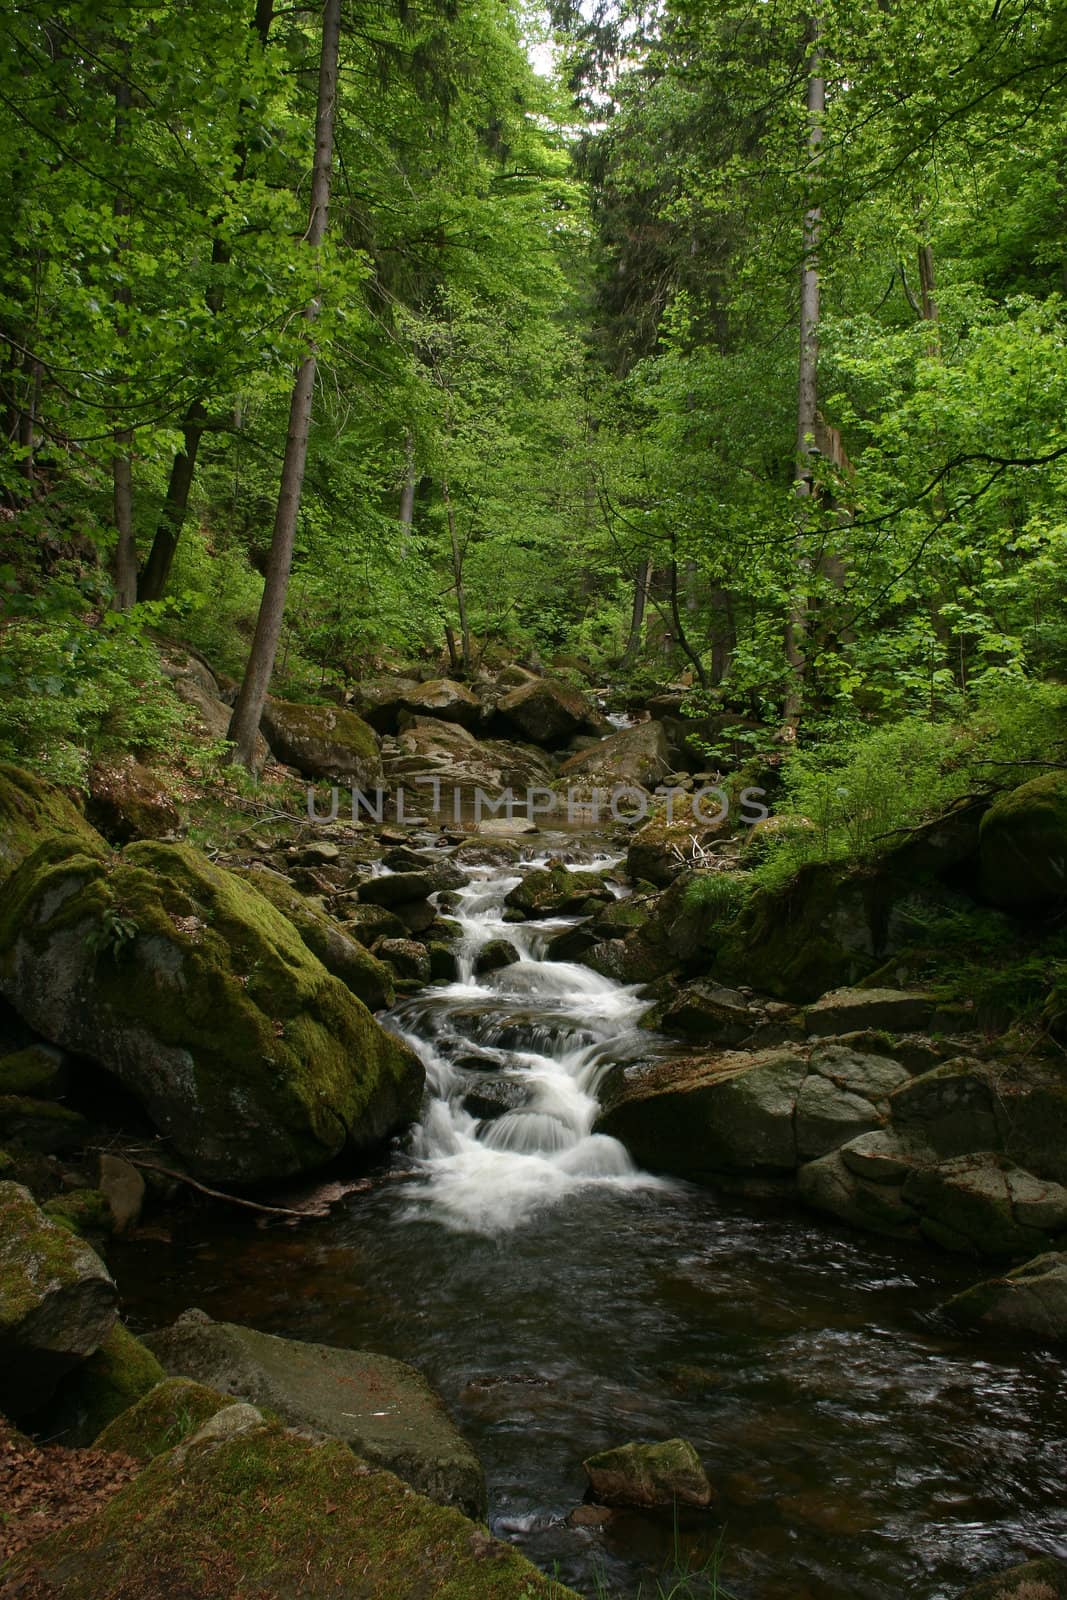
[(808, 384), (457, 571), (637, 615), (244, 725), (407, 492)]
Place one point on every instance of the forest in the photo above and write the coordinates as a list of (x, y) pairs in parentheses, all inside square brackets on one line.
[(574, 399)]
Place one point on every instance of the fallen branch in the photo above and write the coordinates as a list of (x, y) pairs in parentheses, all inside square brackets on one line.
[(218, 1194)]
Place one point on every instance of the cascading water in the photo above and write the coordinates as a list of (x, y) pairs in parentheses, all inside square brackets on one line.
[(513, 1059)]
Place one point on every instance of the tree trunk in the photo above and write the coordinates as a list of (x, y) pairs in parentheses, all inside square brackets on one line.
[(807, 388), (407, 492), (679, 631), (637, 615), (244, 725), (124, 566), (156, 574), (172, 513), (722, 633), (457, 571)]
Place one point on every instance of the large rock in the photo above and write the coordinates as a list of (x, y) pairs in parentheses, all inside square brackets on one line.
[(850, 1010), (649, 1475), (703, 1115), (664, 847), (114, 1377), (637, 756), (428, 748), (31, 811), (323, 742), (57, 1302), (203, 1000), (196, 686), (379, 701), (383, 1409), (443, 698), (161, 1418), (555, 891), (1023, 843), (1030, 1300), (128, 801), (340, 953), (951, 1108), (546, 712), (250, 1508)]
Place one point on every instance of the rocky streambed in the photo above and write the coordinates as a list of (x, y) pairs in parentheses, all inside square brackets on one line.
[(620, 1160)]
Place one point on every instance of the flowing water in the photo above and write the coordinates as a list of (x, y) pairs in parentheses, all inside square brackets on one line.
[(562, 1301)]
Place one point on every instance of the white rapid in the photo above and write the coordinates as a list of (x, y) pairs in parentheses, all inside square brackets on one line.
[(513, 1059)]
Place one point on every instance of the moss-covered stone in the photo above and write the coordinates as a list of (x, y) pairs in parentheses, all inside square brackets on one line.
[(40, 1125), (203, 999), (546, 712), (37, 1070), (322, 741), (254, 1512), (1023, 844), (162, 1417), (555, 891), (128, 801), (57, 1303), (82, 1211), (32, 810), (1031, 1300), (102, 1388), (661, 1474), (340, 953), (1043, 1579), (662, 847)]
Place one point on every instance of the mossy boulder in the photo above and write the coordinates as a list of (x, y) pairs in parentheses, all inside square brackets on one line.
[(57, 1302), (555, 891), (27, 1123), (662, 1474), (37, 1070), (1023, 844), (546, 712), (82, 1211), (129, 801), (201, 997), (444, 698), (383, 1409), (245, 1510), (662, 848), (339, 951), (322, 742), (32, 810), (100, 1389), (637, 757), (1031, 1300), (160, 1418)]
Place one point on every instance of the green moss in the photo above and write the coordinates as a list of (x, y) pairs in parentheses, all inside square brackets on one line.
[(369, 979), (264, 1513), (246, 1052), (161, 1418), (30, 810), (39, 1125), (82, 1211), (102, 1388), (1023, 844), (35, 1250), (31, 1071)]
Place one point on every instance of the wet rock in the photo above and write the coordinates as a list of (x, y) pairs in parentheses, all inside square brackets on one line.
[(493, 827), (546, 712), (57, 1302), (1030, 1300), (488, 851), (875, 1077), (295, 1514), (444, 968), (702, 1115), (950, 1108), (323, 742), (128, 801), (968, 1204), (407, 957), (493, 1097), (418, 916), (707, 1014), (123, 1188), (185, 982), (1043, 1579), (383, 1409), (572, 944), (830, 1185), (828, 1116), (394, 888), (1023, 844), (369, 923), (885, 1156), (636, 756), (555, 891), (847, 1010), (494, 955), (649, 1475)]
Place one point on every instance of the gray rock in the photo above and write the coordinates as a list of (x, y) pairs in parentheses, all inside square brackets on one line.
[(874, 1077), (828, 1116), (636, 756), (57, 1302), (846, 1010), (951, 1108), (383, 1409), (1032, 1300)]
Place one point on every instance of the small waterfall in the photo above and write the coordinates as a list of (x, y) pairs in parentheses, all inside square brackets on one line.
[(513, 1059)]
